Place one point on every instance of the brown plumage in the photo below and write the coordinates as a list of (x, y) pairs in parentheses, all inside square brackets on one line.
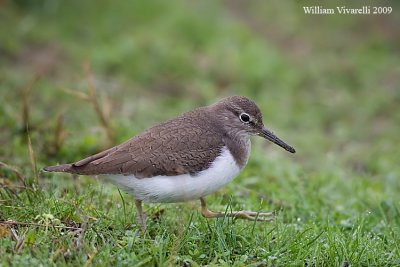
[(186, 144)]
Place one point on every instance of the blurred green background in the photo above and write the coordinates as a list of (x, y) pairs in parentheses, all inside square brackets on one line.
[(327, 84)]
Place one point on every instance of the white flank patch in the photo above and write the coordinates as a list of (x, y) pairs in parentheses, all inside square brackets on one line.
[(159, 189)]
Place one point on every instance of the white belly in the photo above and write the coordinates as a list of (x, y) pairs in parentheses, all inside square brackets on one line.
[(183, 187)]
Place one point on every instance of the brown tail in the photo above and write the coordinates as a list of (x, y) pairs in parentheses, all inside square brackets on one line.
[(58, 168)]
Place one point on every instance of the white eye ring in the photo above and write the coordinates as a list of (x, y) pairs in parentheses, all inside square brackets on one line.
[(244, 117)]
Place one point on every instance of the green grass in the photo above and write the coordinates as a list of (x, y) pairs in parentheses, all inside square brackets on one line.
[(328, 85)]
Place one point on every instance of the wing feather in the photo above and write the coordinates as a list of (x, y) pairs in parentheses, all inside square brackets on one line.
[(166, 149)]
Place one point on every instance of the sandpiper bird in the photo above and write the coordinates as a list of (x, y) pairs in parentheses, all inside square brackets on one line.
[(185, 158)]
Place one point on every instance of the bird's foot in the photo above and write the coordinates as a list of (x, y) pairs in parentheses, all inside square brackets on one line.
[(248, 215), (252, 215)]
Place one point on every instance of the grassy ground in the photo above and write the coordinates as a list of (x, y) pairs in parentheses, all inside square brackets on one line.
[(328, 85)]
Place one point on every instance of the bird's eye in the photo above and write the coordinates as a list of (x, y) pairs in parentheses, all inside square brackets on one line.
[(244, 117)]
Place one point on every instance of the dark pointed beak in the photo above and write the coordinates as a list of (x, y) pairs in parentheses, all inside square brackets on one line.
[(267, 134)]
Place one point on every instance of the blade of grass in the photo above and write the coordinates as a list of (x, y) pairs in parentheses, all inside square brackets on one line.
[(123, 206), (33, 162)]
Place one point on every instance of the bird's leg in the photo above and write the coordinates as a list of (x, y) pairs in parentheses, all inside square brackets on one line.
[(249, 215), (141, 217)]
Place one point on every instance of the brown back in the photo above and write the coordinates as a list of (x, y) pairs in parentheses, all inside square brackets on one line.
[(182, 145)]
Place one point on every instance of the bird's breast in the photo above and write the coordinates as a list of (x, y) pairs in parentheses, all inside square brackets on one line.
[(164, 189), (240, 149)]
